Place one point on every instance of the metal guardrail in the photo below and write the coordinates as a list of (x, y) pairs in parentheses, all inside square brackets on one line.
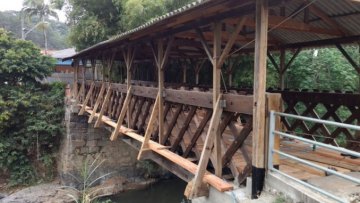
[(273, 133)]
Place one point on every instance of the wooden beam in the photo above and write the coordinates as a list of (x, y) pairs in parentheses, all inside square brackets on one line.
[(292, 59), (88, 95), (82, 89), (231, 41), (258, 142), (123, 111), (272, 60), (103, 107), (204, 44), (97, 103), (238, 141), (331, 22), (199, 130), (216, 92), (173, 121), (348, 58), (280, 22), (185, 126), (282, 69), (150, 127), (208, 146)]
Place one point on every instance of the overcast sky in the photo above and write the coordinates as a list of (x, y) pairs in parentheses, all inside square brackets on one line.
[(16, 5)]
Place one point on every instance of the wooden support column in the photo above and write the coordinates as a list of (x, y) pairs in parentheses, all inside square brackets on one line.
[(274, 103), (198, 67), (282, 69), (75, 84), (128, 55), (161, 57), (258, 142), (213, 137), (104, 106), (208, 145), (217, 63)]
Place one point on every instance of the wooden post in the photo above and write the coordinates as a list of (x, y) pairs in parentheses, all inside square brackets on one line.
[(128, 55), (216, 93), (75, 85), (160, 49), (258, 142), (274, 103), (282, 69), (184, 72), (161, 57)]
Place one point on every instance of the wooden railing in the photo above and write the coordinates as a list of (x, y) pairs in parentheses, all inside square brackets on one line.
[(187, 115), (339, 107)]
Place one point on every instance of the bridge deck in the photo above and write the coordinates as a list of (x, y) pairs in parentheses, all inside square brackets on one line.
[(186, 121)]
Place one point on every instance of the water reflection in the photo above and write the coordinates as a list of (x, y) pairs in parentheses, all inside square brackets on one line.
[(166, 191)]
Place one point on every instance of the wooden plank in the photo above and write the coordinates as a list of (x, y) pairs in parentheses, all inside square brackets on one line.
[(217, 64), (173, 121), (258, 135), (123, 112), (137, 113), (238, 141), (208, 146), (274, 103), (97, 103), (145, 114), (185, 126), (150, 127), (198, 132), (88, 95), (104, 106)]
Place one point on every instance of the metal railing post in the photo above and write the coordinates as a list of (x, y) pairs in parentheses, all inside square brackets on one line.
[(271, 140)]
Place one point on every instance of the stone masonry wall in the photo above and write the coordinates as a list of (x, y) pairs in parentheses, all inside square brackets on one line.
[(83, 144)]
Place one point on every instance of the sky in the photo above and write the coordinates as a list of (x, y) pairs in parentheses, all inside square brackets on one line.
[(16, 5)]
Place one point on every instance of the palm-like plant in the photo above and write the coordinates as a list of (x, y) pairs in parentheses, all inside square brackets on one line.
[(43, 11)]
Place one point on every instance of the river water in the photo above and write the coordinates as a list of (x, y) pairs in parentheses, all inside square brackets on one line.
[(166, 191)]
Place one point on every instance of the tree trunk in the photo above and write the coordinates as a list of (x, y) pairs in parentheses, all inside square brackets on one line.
[(45, 35)]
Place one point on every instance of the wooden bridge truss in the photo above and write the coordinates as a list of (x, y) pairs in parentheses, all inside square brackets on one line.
[(207, 136)]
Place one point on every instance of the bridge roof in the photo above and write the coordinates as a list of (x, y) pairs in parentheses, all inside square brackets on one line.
[(292, 24)]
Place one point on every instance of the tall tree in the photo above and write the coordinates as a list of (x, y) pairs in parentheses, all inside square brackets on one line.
[(43, 11)]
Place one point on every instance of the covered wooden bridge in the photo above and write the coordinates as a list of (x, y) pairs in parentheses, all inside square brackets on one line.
[(217, 134)]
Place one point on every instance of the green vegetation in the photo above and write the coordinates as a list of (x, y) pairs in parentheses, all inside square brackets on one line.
[(57, 32), (31, 113), (87, 192), (93, 21)]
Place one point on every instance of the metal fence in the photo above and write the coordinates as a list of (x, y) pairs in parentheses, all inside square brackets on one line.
[(273, 133)]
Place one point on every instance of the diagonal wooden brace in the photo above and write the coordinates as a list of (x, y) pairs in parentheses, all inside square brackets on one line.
[(150, 127), (102, 89), (103, 107), (87, 98), (82, 89), (208, 146), (121, 118)]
